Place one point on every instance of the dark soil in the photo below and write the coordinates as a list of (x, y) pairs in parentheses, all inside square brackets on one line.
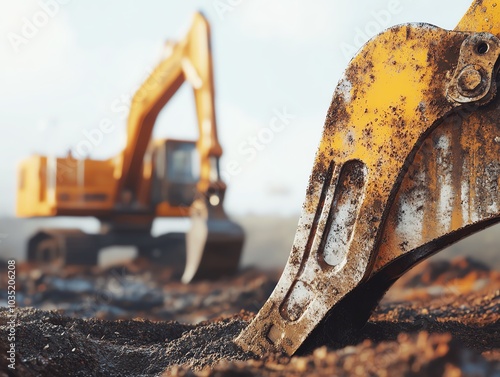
[(49, 344), (451, 331)]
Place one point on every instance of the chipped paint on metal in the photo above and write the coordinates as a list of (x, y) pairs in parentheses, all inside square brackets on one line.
[(410, 217), (339, 236), (464, 198), (446, 192), (475, 178), (298, 300), (349, 195), (344, 89)]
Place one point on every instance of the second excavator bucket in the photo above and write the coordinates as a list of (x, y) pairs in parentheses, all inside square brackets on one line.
[(408, 164), (214, 243)]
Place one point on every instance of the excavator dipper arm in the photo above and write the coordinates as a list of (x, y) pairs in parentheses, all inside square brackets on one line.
[(214, 242), (408, 164), (189, 60)]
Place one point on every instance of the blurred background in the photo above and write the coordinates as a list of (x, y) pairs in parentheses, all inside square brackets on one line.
[(270, 57)]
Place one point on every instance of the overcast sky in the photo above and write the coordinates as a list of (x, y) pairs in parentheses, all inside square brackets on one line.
[(270, 56)]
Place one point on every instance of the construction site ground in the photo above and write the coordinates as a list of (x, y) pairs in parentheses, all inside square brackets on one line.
[(136, 319)]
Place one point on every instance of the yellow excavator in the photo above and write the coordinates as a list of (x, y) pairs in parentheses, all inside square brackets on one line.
[(147, 180), (409, 163)]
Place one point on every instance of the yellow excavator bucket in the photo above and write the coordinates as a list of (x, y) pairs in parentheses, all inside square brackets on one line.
[(409, 162)]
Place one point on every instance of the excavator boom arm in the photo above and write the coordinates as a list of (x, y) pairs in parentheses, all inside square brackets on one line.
[(188, 60)]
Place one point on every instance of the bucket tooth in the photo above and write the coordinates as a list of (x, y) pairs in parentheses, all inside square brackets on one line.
[(214, 243)]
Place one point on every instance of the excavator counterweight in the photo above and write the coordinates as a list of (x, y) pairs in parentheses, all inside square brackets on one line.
[(408, 164)]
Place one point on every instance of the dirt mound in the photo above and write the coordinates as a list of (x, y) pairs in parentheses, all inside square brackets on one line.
[(462, 328), (450, 333), (49, 344), (420, 354), (435, 272), (443, 277)]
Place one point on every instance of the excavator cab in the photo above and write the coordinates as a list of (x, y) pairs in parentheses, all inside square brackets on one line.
[(176, 172)]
